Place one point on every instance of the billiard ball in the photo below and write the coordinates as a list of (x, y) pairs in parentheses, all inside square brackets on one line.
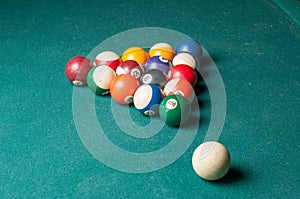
[(190, 46), (135, 53), (162, 49), (211, 160), (123, 87), (108, 58), (77, 69), (154, 76), (180, 86), (159, 63), (174, 110), (99, 79), (184, 58), (183, 71), (147, 99), (130, 67)]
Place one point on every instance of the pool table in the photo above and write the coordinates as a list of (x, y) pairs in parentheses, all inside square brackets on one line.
[(61, 141)]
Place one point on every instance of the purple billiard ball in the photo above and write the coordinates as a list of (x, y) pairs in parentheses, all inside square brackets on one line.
[(158, 62)]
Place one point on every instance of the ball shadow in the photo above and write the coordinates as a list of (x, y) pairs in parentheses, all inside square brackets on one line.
[(233, 175)]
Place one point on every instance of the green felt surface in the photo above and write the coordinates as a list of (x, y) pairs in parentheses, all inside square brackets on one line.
[(255, 46)]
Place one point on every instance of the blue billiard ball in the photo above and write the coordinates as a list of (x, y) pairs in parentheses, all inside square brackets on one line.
[(147, 99), (158, 62)]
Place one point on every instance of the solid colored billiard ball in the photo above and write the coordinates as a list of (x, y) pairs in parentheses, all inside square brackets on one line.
[(154, 76), (158, 62), (211, 160), (77, 69), (135, 53), (130, 67), (183, 71), (180, 86), (147, 99), (123, 87), (190, 46), (174, 110), (108, 58), (184, 58), (162, 49), (99, 79)]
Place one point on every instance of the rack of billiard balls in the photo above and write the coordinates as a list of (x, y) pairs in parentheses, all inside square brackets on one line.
[(160, 81)]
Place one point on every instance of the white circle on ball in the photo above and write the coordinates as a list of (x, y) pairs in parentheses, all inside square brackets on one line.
[(147, 79), (163, 59), (77, 83), (171, 104)]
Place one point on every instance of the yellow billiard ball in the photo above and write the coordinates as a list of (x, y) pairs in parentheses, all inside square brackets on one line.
[(137, 54), (211, 160)]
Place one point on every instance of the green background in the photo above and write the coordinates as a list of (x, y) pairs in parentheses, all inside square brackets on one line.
[(255, 45)]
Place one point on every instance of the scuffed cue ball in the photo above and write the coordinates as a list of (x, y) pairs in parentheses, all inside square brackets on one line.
[(211, 160)]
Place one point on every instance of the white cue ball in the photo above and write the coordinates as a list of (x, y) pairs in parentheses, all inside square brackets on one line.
[(211, 160)]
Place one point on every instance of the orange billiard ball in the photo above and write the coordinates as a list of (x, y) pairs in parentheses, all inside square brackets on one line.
[(123, 87)]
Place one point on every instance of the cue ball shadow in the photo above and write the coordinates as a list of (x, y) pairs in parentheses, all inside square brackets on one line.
[(232, 176)]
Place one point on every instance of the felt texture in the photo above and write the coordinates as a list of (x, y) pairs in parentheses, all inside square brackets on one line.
[(255, 45)]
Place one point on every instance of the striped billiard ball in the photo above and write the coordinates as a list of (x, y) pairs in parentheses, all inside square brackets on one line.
[(184, 58), (99, 79), (180, 86), (147, 99), (108, 58), (162, 49)]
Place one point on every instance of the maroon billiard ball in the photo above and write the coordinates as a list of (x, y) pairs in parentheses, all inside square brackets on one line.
[(130, 67), (77, 69), (183, 71)]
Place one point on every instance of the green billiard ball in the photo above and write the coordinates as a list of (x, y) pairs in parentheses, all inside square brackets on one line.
[(99, 79), (174, 110)]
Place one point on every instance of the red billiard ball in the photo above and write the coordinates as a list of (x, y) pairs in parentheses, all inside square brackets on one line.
[(123, 87), (130, 67), (77, 69), (180, 86), (183, 71), (108, 58)]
